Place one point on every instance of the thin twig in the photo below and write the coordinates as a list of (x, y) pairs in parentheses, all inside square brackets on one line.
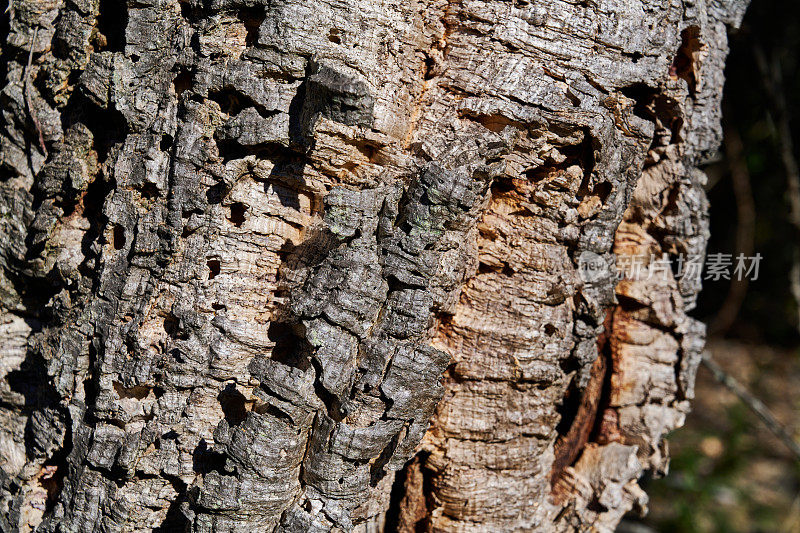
[(745, 228), (755, 405), (27, 90)]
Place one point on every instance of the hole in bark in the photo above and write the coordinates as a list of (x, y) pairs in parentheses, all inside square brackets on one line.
[(574, 100), (232, 403), (190, 13), (271, 410), (368, 151), (112, 19), (683, 65), (148, 191), (176, 354), (166, 142), (205, 460), (187, 11), (252, 17), (214, 268), (232, 102), (675, 129), (238, 210), (54, 470), (92, 211), (635, 57), (289, 347), (182, 82), (217, 192), (51, 479), (596, 507), (579, 413), (172, 327), (118, 237), (602, 190), (535, 175), (629, 304), (411, 497), (583, 155), (93, 199), (495, 123), (67, 205), (333, 36), (332, 403), (502, 186), (667, 114), (108, 126), (550, 330), (430, 64), (568, 409), (138, 392), (228, 151), (643, 97), (483, 268), (587, 158)]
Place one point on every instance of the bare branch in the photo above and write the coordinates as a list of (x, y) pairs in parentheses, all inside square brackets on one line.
[(745, 228), (754, 404), (28, 102)]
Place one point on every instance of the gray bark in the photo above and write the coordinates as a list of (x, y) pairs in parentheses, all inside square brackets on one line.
[(314, 265)]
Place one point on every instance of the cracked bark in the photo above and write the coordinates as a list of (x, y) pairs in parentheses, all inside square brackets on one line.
[(314, 266)]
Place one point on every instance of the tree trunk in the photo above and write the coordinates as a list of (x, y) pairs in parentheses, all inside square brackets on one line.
[(304, 265)]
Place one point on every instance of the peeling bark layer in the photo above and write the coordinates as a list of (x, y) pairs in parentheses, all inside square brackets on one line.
[(242, 241)]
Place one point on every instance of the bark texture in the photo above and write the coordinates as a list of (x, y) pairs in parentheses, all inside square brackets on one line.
[(316, 265)]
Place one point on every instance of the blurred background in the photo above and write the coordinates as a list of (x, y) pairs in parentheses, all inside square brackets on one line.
[(728, 472)]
